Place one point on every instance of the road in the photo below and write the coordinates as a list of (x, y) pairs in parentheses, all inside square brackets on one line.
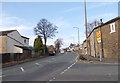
[(62, 67)]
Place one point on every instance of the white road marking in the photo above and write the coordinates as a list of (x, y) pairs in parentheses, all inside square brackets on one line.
[(61, 72), (109, 74), (22, 69), (68, 68), (50, 80), (2, 76), (54, 78), (38, 64)]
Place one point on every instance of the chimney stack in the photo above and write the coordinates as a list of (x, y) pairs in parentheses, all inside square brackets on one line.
[(100, 22)]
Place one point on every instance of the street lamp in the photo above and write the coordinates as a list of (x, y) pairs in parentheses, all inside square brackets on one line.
[(85, 14), (78, 34)]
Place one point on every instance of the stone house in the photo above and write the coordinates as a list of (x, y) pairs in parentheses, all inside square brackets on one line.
[(107, 44), (13, 46)]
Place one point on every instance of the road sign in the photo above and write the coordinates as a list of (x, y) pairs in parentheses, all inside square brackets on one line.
[(98, 36)]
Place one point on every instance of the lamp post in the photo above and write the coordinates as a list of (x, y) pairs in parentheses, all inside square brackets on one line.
[(85, 14), (78, 34)]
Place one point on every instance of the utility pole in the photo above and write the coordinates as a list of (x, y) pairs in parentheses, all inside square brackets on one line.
[(78, 34), (85, 14)]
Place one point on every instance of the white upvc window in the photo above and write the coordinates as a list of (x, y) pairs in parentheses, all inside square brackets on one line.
[(112, 27)]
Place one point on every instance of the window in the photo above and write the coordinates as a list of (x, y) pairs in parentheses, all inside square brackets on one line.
[(25, 41), (112, 27)]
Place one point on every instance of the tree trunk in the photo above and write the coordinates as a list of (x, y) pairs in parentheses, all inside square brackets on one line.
[(45, 50)]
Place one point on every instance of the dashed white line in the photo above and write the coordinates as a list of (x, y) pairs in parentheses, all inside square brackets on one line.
[(22, 69), (68, 68), (38, 64)]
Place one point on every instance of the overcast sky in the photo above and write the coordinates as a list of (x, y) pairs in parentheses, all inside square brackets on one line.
[(24, 16)]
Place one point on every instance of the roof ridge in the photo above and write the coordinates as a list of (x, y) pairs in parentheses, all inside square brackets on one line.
[(6, 32)]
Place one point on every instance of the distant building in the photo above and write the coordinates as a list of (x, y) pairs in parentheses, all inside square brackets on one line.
[(105, 38), (13, 44)]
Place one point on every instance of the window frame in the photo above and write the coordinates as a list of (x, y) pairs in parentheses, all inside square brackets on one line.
[(112, 27)]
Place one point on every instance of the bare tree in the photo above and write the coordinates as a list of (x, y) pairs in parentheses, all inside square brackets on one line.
[(58, 44), (45, 29), (92, 25)]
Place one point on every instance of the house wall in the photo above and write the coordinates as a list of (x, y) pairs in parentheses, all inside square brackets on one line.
[(18, 50), (110, 41), (118, 22), (92, 45), (13, 38), (3, 42), (25, 41)]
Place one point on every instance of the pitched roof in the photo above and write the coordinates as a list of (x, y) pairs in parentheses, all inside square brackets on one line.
[(6, 32), (110, 21), (9, 31), (25, 37)]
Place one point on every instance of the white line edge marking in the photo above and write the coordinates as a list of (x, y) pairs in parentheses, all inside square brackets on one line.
[(68, 68), (22, 69)]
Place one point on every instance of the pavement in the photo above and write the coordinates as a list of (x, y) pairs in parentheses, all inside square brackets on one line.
[(95, 60)]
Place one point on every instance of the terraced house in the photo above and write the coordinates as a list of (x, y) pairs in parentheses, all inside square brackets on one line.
[(13, 46), (104, 40)]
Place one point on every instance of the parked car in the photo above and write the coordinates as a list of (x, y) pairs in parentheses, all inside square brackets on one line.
[(68, 50), (62, 51), (51, 50)]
